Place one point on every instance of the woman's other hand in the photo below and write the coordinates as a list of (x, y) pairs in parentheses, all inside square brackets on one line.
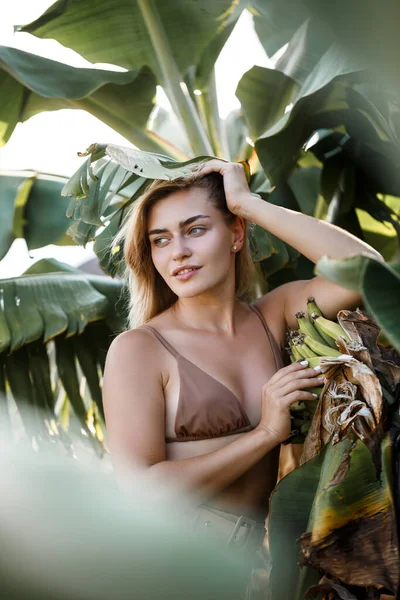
[(284, 388), (237, 191)]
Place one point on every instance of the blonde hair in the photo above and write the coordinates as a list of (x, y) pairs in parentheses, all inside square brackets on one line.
[(149, 295)]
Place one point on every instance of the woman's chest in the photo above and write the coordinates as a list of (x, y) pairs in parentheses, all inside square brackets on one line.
[(216, 393)]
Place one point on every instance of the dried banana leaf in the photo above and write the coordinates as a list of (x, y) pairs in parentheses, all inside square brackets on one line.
[(352, 530), (351, 402), (361, 328)]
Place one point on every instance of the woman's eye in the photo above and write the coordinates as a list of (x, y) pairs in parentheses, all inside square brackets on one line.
[(160, 241), (156, 242)]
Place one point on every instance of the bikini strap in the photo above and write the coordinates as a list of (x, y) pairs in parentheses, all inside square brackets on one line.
[(275, 348), (162, 339)]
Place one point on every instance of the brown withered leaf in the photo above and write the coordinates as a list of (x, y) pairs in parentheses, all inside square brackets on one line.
[(368, 384), (365, 331), (355, 349), (330, 589), (318, 435), (359, 327), (362, 553), (350, 402)]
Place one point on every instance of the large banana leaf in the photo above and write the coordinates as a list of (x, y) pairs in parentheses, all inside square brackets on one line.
[(33, 209), (316, 95), (379, 284), (118, 34), (376, 39), (54, 302), (352, 519), (364, 32), (32, 84), (335, 513), (275, 21)]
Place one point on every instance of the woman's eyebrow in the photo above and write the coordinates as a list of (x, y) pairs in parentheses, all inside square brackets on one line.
[(182, 224)]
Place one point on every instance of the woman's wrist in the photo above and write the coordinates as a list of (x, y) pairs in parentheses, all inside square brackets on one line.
[(271, 438), (246, 205)]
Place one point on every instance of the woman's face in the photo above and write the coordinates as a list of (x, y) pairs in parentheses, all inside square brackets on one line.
[(186, 230)]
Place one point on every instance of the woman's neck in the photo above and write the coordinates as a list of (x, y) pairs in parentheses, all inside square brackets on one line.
[(215, 316)]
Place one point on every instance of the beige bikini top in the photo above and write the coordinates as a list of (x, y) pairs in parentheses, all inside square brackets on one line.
[(207, 408)]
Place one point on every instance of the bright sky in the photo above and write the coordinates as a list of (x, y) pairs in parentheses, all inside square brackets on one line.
[(49, 142)]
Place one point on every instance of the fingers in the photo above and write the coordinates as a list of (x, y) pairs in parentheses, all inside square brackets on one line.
[(297, 396), (218, 165), (294, 371), (299, 384)]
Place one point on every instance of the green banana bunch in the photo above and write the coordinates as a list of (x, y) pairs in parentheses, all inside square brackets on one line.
[(313, 340)]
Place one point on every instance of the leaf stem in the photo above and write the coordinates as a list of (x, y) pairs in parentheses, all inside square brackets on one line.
[(173, 81), (208, 106)]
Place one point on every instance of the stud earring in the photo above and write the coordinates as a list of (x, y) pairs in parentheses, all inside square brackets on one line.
[(233, 247)]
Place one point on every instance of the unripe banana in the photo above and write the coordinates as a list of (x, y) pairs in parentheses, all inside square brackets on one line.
[(317, 389), (327, 338), (308, 328), (305, 351), (296, 353), (330, 328), (320, 349), (316, 361), (313, 308), (297, 406)]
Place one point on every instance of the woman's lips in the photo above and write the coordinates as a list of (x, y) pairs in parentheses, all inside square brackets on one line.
[(187, 275)]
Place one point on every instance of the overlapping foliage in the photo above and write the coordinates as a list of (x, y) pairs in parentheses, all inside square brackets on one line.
[(321, 132)]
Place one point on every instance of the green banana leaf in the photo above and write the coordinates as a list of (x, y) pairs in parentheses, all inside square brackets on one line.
[(305, 48), (118, 34), (378, 282), (264, 95), (275, 22), (32, 84), (237, 135), (33, 209), (53, 302), (290, 506), (109, 300), (346, 18), (179, 41), (358, 166)]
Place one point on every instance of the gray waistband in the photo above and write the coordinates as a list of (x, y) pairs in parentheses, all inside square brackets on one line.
[(231, 516), (233, 530)]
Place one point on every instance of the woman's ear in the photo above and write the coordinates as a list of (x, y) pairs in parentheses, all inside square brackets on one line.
[(238, 228)]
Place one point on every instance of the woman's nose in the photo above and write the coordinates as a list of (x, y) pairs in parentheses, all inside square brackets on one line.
[(180, 248)]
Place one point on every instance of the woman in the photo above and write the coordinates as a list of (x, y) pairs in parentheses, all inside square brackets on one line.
[(196, 391)]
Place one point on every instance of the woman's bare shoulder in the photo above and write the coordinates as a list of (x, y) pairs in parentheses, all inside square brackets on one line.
[(138, 344)]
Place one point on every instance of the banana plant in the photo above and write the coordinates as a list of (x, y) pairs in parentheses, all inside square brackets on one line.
[(319, 139), (52, 352), (32, 209)]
